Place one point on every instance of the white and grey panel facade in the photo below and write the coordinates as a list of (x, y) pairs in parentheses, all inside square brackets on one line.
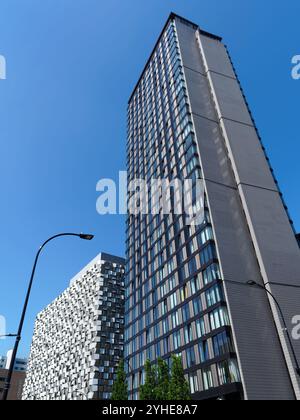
[(78, 339)]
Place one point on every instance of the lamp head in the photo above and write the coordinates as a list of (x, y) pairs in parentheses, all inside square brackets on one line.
[(86, 236)]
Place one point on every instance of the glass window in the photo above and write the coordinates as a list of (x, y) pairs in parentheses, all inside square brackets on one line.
[(228, 372), (200, 327), (166, 345), (219, 318), (165, 326), (211, 273), (222, 344), (175, 319), (173, 300), (203, 351), (186, 312), (195, 285), (177, 340), (207, 379), (213, 295), (205, 236), (183, 293), (188, 333), (192, 266), (208, 254), (164, 307), (197, 305), (194, 383), (190, 357)]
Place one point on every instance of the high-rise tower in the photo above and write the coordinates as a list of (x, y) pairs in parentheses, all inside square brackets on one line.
[(186, 286)]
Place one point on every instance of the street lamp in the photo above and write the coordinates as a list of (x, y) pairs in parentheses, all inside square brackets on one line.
[(286, 330), (84, 236)]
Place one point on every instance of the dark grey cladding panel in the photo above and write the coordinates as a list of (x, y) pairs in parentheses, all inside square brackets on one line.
[(247, 156), (188, 46), (231, 102), (237, 255), (277, 244), (261, 358), (289, 300), (216, 56), (200, 95), (263, 366), (215, 160)]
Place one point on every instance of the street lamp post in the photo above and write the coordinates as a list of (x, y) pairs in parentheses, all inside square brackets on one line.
[(286, 330), (18, 335)]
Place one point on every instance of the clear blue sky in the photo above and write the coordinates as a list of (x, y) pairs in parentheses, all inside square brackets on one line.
[(71, 66)]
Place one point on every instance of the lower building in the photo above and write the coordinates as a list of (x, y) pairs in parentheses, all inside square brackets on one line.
[(20, 364), (78, 339), (17, 383)]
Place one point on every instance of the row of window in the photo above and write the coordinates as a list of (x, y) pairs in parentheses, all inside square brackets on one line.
[(189, 333), (220, 374), (203, 380)]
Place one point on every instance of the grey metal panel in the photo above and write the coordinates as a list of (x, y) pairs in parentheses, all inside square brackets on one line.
[(263, 367), (216, 164), (248, 160), (275, 245), (261, 358), (279, 257), (289, 299), (200, 95), (230, 100), (217, 57), (264, 370), (233, 238), (191, 54)]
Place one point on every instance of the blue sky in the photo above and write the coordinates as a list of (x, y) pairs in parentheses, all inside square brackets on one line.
[(71, 66)]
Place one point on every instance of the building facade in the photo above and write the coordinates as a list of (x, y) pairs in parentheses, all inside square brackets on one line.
[(2, 362), (186, 285), (79, 338), (20, 364), (16, 386)]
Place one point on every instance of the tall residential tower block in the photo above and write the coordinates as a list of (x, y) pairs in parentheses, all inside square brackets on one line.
[(187, 288)]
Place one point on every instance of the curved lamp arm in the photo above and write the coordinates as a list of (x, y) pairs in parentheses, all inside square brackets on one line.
[(84, 236)]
